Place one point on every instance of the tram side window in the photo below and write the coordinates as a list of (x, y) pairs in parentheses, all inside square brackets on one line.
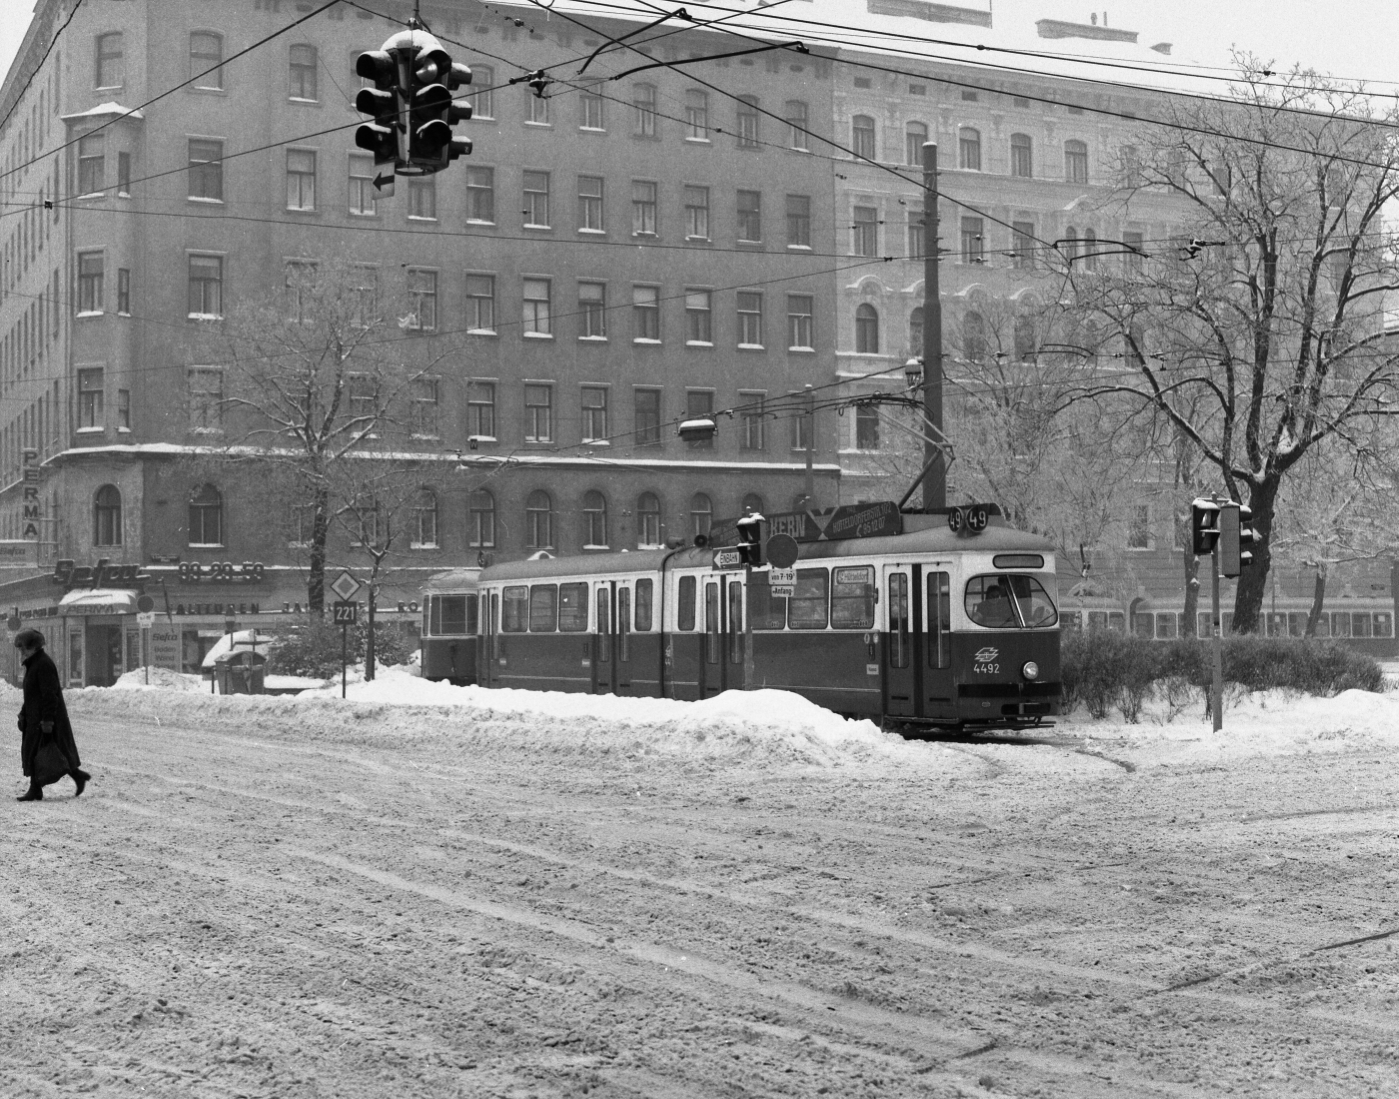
[(711, 623), (765, 612), (644, 589), (1384, 624), (471, 604), (898, 620), (939, 620), (453, 614), (685, 612), (573, 608), (809, 606), (514, 609), (852, 598), (543, 608), (623, 624)]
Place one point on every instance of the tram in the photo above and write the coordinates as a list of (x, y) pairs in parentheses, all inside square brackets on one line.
[(450, 628), (925, 625)]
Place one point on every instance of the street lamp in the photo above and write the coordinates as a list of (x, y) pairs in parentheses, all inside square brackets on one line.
[(913, 373)]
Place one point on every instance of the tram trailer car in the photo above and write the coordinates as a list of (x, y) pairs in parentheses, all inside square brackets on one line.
[(450, 629), (923, 627)]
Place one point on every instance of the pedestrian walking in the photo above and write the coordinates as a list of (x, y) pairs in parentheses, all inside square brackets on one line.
[(47, 749)]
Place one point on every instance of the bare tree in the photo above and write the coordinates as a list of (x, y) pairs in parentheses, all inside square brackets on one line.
[(1257, 331)]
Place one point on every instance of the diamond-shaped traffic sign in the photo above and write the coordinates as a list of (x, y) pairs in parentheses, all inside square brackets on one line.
[(345, 585)]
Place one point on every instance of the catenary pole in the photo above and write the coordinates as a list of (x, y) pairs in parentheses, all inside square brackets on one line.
[(1217, 685), (935, 481)]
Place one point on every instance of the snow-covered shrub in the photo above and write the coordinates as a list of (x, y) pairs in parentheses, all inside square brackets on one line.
[(313, 648)]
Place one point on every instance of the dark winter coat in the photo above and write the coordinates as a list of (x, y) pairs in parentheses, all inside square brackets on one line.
[(43, 701)]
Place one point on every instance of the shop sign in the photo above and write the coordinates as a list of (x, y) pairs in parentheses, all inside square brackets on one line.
[(224, 610), (30, 507), (17, 551), (104, 574), (251, 572), (166, 646)]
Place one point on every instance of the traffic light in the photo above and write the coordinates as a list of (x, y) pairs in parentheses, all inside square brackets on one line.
[(431, 111), (1234, 534), (750, 539), (381, 103), (1204, 526)]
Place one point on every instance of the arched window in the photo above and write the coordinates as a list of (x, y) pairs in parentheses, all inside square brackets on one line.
[(915, 333), (915, 134), (1025, 339), (594, 520), (1070, 246), (481, 519), (701, 514), (648, 520), (867, 330), (206, 517), (862, 136), (539, 520), (1021, 156), (969, 149), (974, 336), (424, 520), (752, 504), (106, 516), (1090, 249), (1075, 162)]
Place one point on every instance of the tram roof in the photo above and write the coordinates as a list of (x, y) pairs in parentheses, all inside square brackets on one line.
[(934, 540), (452, 580)]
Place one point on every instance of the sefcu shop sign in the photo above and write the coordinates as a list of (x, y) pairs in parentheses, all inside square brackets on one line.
[(69, 575)]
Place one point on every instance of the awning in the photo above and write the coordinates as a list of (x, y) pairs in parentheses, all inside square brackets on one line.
[(98, 601)]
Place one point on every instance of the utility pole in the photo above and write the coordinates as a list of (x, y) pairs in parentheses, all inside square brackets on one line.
[(934, 458)]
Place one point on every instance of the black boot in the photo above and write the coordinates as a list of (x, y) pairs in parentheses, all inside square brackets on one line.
[(80, 779), (34, 793)]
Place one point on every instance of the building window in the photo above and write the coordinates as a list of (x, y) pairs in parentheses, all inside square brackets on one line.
[(206, 286), (124, 409), (363, 196), (801, 435), (750, 216), (866, 427), (594, 520), (799, 323), (973, 241), (590, 110), (701, 515), (111, 65), (425, 408), (205, 398), (915, 134), (1022, 244), (123, 175), (643, 98), (915, 332), (864, 232), (1025, 341), (423, 532), (648, 417), (592, 311), (91, 160), (646, 312), (206, 517), (1090, 250), (1070, 244), (754, 421), (90, 282), (536, 108), (699, 405), (798, 123), (1133, 255), (1131, 166), (862, 137), (1021, 156), (1139, 528), (480, 194), (536, 200), (303, 72), (915, 232), (206, 60), (867, 330), (90, 389), (539, 520), (539, 414), (362, 391), (696, 114), (696, 213), (124, 291), (480, 410), (590, 204), (206, 169), (594, 413), (422, 299), (364, 296), (699, 317), (748, 119), (750, 318), (974, 336), (300, 290), (480, 303), (537, 319), (643, 208), (422, 198), (482, 98), (301, 179), (969, 149), (481, 520), (1075, 162), (648, 520), (798, 221)]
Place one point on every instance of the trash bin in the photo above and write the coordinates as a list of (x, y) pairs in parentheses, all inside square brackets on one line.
[(240, 673)]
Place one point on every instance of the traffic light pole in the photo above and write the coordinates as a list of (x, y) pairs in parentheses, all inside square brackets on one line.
[(1217, 686), (748, 673)]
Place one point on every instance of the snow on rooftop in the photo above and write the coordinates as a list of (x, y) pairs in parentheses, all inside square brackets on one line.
[(103, 109)]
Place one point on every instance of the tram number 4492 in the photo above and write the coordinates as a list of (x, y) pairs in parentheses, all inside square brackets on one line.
[(987, 669)]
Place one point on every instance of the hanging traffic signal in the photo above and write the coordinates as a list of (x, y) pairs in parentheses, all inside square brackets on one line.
[(1234, 534), (1204, 526), (381, 102), (750, 539)]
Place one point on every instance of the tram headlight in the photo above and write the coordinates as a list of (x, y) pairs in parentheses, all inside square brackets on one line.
[(1030, 670)]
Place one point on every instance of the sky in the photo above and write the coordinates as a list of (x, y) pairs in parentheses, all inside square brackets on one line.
[(1349, 38)]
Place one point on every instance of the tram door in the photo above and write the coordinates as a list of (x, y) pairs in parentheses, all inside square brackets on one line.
[(939, 691), (605, 639), (722, 666), (490, 646), (901, 688)]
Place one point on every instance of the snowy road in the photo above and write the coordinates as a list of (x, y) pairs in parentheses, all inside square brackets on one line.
[(294, 898)]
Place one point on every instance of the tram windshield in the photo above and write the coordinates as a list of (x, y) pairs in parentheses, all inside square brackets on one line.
[(1004, 601)]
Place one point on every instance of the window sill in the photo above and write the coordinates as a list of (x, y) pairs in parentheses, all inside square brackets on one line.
[(302, 210), (482, 118), (592, 339), (594, 232), (364, 213), (537, 335), (479, 221), (697, 240), (749, 243), (209, 91), (199, 198), (799, 248), (304, 102), (751, 347), (698, 141), (539, 125), (206, 545), (123, 431), (482, 439), (590, 546), (90, 313), (592, 130), (423, 546), (699, 343), (206, 431), (597, 442), (647, 341), (422, 217), (803, 350), (91, 430), (481, 332), (537, 228)]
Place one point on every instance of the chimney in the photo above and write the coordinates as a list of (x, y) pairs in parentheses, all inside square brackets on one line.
[(1093, 19), (1162, 47)]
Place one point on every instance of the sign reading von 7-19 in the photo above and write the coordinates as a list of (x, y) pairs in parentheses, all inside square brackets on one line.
[(344, 613)]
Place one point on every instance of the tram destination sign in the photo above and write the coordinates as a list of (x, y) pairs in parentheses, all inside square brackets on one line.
[(838, 523)]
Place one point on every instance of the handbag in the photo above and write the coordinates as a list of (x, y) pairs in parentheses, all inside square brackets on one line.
[(50, 764)]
